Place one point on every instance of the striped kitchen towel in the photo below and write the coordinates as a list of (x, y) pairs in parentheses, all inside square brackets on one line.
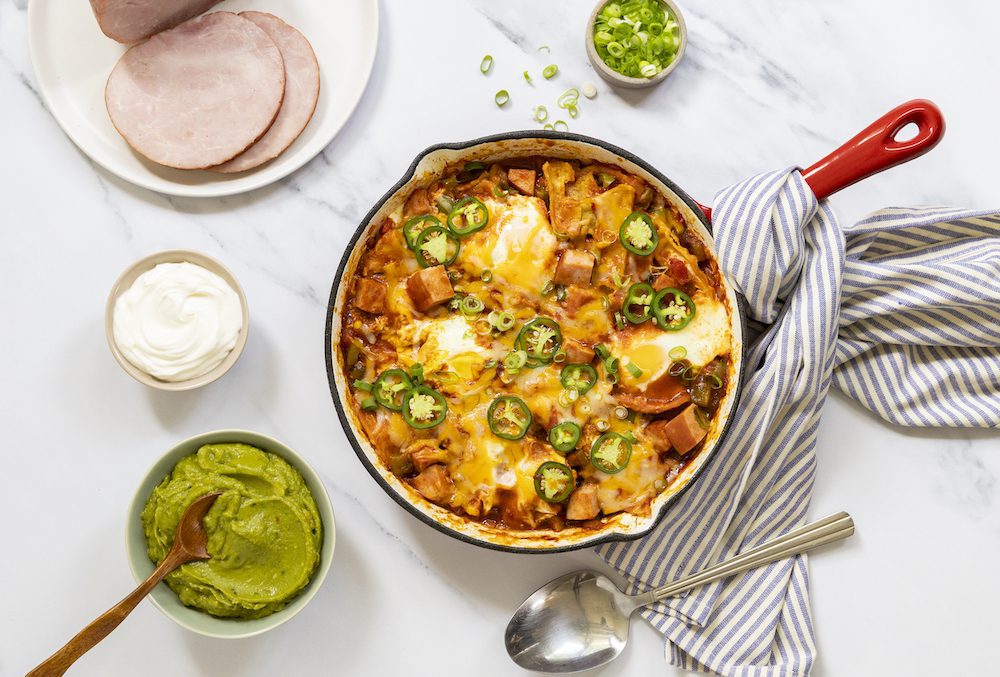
[(902, 313)]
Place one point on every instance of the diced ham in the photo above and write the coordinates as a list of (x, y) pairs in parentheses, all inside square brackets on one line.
[(574, 267), (662, 281), (577, 297), (301, 94), (434, 484), (685, 430), (129, 21), (522, 179), (583, 504), (370, 295), (425, 453), (679, 270), (657, 434), (418, 203), (577, 352), (428, 287), (199, 94)]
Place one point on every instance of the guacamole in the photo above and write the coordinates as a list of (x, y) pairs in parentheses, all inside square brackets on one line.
[(264, 531)]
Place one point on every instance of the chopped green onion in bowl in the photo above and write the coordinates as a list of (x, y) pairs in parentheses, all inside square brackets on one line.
[(637, 38)]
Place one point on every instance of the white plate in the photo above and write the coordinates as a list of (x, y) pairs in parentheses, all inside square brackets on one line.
[(72, 59)]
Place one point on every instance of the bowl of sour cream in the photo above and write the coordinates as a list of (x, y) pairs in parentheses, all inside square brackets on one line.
[(176, 320)]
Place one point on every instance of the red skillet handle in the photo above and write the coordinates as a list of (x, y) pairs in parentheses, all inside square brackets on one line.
[(875, 148)]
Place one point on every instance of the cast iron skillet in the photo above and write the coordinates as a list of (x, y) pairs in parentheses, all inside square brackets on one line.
[(873, 150)]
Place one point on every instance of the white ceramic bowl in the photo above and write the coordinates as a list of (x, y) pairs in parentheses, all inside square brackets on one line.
[(617, 79), (164, 598), (148, 263)]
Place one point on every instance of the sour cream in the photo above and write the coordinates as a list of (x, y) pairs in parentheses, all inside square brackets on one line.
[(177, 321)]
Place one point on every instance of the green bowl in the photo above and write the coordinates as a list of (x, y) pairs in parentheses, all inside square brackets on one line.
[(164, 598)]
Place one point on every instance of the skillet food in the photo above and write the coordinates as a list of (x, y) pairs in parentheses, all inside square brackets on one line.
[(536, 344)]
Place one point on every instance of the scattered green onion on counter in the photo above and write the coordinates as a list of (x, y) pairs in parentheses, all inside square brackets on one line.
[(541, 114), (550, 71), (637, 38), (527, 78), (501, 98), (486, 65)]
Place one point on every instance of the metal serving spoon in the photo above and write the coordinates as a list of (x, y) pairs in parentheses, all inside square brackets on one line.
[(581, 620), (189, 546)]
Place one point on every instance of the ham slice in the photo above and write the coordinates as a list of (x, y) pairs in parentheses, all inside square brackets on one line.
[(199, 94), (132, 20), (301, 94)]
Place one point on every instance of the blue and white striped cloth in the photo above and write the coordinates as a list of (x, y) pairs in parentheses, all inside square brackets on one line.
[(902, 313)]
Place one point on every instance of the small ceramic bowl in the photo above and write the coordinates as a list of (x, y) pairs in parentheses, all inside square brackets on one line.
[(619, 80), (128, 278), (164, 598)]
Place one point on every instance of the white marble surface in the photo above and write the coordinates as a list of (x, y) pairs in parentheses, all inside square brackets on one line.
[(765, 83)]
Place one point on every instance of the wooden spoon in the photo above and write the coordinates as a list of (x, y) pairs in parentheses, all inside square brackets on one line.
[(189, 546)]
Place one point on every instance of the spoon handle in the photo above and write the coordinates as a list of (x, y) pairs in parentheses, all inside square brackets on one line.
[(85, 640), (827, 530)]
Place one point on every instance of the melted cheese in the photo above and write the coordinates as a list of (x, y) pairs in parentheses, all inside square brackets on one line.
[(518, 245), (450, 344)]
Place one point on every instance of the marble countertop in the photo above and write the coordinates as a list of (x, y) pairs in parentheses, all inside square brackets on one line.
[(765, 83)]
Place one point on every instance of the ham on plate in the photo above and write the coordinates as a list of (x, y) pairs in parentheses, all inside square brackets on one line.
[(129, 21), (301, 94), (199, 94)]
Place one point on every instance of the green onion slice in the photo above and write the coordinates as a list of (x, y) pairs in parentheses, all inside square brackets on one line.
[(486, 65), (501, 98), (540, 114), (471, 305), (527, 78), (504, 321), (568, 98), (634, 370), (550, 71), (677, 353), (565, 127)]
